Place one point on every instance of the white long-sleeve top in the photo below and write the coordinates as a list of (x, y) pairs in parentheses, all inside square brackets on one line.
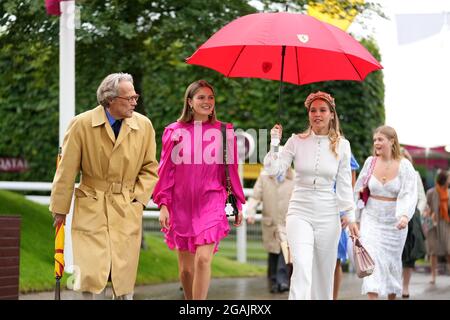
[(405, 189), (421, 196), (317, 167)]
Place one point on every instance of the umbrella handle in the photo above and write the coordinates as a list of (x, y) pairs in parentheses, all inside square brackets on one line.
[(283, 53), (276, 147)]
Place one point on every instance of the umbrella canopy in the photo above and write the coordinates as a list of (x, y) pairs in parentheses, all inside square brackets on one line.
[(252, 46)]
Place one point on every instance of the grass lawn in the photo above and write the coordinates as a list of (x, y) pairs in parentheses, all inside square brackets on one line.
[(157, 264), (255, 250)]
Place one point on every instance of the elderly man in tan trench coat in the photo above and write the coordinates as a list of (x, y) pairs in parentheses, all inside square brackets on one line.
[(118, 175), (274, 193)]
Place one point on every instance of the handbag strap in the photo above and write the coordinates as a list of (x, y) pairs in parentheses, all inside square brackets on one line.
[(223, 128), (356, 241), (369, 173)]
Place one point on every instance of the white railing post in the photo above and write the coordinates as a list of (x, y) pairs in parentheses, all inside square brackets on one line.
[(66, 67), (241, 232), (241, 242), (67, 98)]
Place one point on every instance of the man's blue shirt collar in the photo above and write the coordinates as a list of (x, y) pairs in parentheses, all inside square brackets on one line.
[(111, 119)]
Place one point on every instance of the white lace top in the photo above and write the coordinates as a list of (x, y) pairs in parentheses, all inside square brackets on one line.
[(317, 167), (403, 187)]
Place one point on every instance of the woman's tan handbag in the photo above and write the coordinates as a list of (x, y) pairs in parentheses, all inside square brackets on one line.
[(284, 244), (364, 263), (286, 252)]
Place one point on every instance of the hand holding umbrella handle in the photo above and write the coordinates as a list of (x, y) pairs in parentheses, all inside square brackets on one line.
[(58, 219), (275, 136)]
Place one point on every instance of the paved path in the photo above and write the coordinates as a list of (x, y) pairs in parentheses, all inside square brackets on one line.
[(256, 288)]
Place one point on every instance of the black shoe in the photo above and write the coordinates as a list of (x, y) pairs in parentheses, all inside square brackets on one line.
[(274, 288), (144, 245), (283, 287)]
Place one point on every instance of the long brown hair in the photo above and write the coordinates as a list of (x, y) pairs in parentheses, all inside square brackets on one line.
[(334, 129), (187, 115), (391, 134), (405, 153)]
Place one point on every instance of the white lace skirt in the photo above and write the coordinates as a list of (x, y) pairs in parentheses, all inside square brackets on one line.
[(385, 243)]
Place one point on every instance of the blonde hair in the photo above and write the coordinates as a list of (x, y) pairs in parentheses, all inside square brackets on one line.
[(391, 134), (187, 115), (334, 129), (406, 154)]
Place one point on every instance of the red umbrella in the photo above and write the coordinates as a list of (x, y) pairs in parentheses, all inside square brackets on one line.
[(291, 47)]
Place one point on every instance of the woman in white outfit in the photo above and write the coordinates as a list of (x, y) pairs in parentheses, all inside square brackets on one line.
[(321, 158), (384, 219)]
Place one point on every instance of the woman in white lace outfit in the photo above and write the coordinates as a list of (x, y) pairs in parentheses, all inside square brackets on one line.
[(321, 158), (384, 219)]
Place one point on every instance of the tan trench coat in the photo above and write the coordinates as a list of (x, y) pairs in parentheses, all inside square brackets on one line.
[(117, 178), (275, 199)]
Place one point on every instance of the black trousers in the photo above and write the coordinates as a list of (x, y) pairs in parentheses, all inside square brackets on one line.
[(278, 270)]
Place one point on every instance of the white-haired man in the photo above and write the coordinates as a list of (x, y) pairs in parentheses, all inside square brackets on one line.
[(113, 147)]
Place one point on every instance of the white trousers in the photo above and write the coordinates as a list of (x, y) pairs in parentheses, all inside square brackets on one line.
[(313, 242)]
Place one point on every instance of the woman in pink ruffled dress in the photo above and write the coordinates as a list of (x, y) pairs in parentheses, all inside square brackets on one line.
[(191, 191)]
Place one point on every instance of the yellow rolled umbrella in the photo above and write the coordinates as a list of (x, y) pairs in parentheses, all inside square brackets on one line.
[(59, 249)]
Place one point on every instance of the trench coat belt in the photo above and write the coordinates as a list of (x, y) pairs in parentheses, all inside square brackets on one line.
[(103, 185)]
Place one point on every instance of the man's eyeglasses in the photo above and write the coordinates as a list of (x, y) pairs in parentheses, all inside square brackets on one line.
[(129, 99)]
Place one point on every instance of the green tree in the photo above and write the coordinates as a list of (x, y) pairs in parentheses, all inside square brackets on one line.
[(28, 87), (150, 40)]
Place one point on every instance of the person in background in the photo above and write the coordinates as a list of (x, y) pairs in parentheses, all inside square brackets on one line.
[(323, 188), (438, 237), (274, 192), (415, 240), (191, 191), (343, 240), (385, 216)]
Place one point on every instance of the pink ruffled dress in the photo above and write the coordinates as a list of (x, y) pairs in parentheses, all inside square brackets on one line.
[(192, 183)]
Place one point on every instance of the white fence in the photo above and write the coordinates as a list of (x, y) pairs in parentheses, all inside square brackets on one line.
[(151, 212)]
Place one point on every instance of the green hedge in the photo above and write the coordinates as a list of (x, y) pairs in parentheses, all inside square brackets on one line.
[(155, 57)]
